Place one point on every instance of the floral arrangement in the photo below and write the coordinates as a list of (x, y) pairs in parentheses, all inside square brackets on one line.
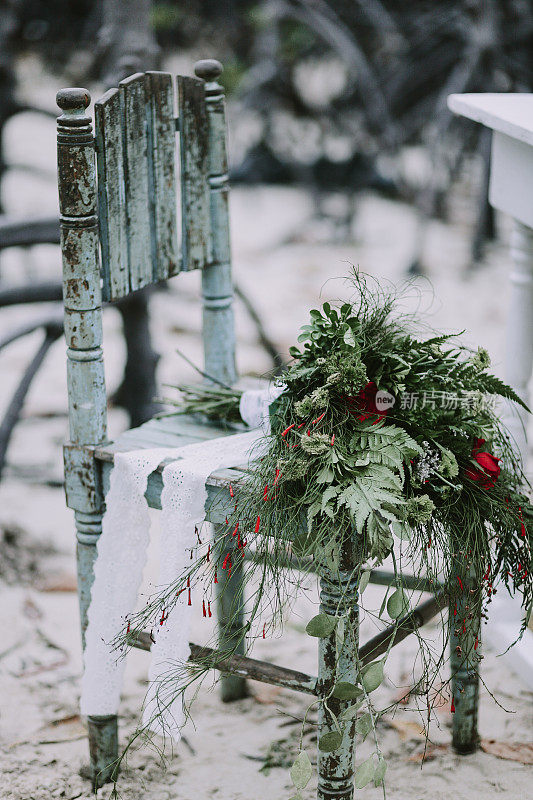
[(387, 440)]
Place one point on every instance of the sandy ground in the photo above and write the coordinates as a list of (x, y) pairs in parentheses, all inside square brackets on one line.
[(284, 261)]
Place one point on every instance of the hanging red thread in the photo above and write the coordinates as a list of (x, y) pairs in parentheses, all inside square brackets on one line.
[(228, 558), (285, 432), (264, 635), (208, 553), (216, 579), (317, 420), (231, 492), (277, 477), (128, 630), (257, 524), (209, 609), (227, 521), (265, 493), (204, 611), (333, 440), (452, 709), (236, 529), (190, 601), (523, 529), (476, 643), (455, 610), (460, 582)]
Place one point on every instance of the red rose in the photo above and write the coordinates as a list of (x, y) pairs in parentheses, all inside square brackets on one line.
[(489, 467), (363, 406)]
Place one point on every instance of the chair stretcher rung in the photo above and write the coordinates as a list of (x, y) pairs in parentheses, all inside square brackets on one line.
[(377, 576), (265, 672), (242, 665)]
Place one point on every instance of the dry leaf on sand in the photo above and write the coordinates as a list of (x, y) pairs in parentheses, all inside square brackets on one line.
[(407, 729), (511, 751), (428, 754)]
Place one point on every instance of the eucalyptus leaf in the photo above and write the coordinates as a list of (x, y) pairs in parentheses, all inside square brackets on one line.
[(349, 338), (373, 676), (350, 712), (363, 725), (330, 741), (346, 691), (380, 771), (364, 580), (364, 773), (301, 770), (397, 604), (321, 626)]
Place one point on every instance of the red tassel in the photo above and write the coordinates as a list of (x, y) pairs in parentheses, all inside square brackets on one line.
[(209, 609), (333, 440), (257, 524), (278, 476), (231, 492), (455, 610), (476, 643), (208, 553), (523, 529), (204, 612), (452, 709), (216, 579), (227, 521), (190, 601), (265, 493), (128, 630), (317, 420), (236, 529), (228, 558), (264, 636), (460, 582)]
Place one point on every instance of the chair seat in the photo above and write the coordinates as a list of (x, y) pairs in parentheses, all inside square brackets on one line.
[(175, 431)]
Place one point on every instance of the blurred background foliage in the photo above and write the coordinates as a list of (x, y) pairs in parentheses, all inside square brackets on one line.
[(334, 90)]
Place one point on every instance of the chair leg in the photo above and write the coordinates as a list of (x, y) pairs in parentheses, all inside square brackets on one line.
[(337, 662), (464, 662), (103, 731), (230, 614)]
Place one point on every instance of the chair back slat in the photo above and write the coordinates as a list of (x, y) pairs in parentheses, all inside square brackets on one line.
[(162, 174), (111, 197), (136, 181), (194, 158)]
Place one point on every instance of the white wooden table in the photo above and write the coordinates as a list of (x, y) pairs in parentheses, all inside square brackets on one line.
[(510, 117)]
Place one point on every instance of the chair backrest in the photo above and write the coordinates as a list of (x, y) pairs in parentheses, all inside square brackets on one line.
[(119, 199)]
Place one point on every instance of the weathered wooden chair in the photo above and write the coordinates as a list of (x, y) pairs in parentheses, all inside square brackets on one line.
[(127, 208)]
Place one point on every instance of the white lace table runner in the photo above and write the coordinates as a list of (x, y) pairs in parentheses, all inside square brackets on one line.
[(121, 557)]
